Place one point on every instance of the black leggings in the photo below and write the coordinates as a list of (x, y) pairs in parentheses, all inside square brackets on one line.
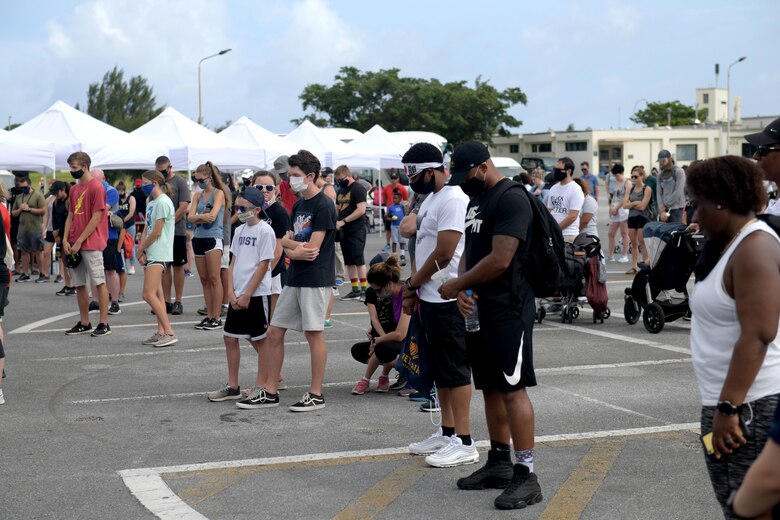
[(385, 352)]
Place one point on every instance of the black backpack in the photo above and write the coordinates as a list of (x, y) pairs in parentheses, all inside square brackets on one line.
[(546, 250)]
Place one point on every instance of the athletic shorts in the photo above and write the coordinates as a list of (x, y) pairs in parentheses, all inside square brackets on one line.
[(179, 250), (276, 284), (501, 356), (49, 238), (352, 246), (164, 265), (31, 241), (201, 246), (302, 308), (637, 222), (445, 345), (395, 233), (120, 261), (225, 262), (109, 256), (249, 323), (90, 269)]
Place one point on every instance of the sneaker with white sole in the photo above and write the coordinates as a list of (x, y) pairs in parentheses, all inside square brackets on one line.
[(154, 338), (79, 328), (131, 269), (166, 340), (225, 393), (259, 398), (453, 454), (383, 385), (308, 403), (430, 445), (623, 260)]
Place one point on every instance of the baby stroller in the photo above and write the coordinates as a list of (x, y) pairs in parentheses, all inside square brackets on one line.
[(584, 260), (673, 255)]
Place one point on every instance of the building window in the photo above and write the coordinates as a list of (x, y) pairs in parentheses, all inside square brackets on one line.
[(748, 150), (514, 148), (686, 152), (705, 98), (604, 155), (541, 148), (577, 146), (617, 154)]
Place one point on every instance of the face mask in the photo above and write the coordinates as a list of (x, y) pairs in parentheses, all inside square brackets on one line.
[(422, 187), (248, 182), (558, 174), (245, 216), (26, 190), (270, 202), (474, 186), (203, 183), (147, 188), (77, 174), (343, 183), (298, 184), (121, 194)]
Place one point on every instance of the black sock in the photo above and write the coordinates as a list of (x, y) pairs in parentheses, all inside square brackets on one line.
[(466, 439), (448, 431), (498, 446)]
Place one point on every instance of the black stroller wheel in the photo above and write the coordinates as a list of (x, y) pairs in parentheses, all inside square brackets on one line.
[(606, 314), (541, 314), (654, 318), (574, 313), (631, 311)]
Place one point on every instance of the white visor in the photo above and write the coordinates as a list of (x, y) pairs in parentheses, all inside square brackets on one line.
[(413, 169)]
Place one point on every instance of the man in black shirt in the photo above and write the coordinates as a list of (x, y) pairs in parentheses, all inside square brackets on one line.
[(351, 201), (304, 301), (498, 226)]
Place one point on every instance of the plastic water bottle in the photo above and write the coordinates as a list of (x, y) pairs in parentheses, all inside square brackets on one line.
[(472, 320)]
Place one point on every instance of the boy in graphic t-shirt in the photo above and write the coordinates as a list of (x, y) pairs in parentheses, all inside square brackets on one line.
[(395, 214), (249, 282)]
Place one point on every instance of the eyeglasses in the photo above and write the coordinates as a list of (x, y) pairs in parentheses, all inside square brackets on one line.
[(763, 151), (265, 187)]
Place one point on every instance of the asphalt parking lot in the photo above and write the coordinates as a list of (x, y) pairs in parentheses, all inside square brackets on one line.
[(108, 428)]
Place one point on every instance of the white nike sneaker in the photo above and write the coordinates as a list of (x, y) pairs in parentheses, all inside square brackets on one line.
[(430, 445), (453, 454)]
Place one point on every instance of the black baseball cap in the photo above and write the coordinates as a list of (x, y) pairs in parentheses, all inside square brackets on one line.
[(769, 135), (393, 175), (464, 158), (664, 154)]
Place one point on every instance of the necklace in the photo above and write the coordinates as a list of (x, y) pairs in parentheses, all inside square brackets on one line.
[(737, 234)]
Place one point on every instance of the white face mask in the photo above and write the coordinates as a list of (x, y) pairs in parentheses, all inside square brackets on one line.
[(298, 184)]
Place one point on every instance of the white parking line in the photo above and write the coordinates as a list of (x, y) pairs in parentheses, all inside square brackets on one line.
[(620, 337), (603, 403), (151, 490)]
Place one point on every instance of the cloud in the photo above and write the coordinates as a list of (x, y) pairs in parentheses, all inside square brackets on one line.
[(59, 43), (624, 19)]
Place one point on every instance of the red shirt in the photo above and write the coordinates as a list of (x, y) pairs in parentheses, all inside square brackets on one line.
[(387, 194), (287, 195), (85, 200)]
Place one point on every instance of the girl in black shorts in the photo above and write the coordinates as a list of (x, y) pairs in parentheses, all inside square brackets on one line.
[(637, 202)]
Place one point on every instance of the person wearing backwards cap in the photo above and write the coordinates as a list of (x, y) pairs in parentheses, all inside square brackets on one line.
[(767, 143), (670, 189), (498, 225), (440, 244)]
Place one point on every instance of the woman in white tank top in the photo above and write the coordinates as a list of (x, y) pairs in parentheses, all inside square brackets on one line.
[(736, 312)]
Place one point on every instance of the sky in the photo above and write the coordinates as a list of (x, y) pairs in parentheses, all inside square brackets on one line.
[(584, 62)]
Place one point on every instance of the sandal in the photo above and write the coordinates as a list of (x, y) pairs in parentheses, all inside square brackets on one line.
[(633, 270)]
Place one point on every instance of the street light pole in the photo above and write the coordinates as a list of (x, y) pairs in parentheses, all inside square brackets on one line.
[(728, 103), (200, 97)]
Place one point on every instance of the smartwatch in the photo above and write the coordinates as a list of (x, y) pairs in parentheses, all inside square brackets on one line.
[(727, 408)]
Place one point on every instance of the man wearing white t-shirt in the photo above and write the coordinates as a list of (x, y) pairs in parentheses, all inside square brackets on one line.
[(439, 246), (565, 199)]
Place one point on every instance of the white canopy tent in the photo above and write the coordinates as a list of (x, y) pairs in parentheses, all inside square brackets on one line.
[(412, 137), (321, 144), (190, 144), (71, 131), (248, 132), (376, 149), (19, 152)]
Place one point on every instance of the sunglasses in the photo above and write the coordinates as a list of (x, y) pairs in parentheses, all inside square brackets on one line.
[(635, 176), (265, 187), (243, 209), (763, 151)]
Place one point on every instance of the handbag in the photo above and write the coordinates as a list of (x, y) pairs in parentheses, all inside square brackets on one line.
[(414, 363)]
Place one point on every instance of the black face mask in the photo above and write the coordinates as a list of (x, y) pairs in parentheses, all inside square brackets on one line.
[(422, 187), (343, 183), (473, 187), (559, 174), (77, 174), (26, 190)]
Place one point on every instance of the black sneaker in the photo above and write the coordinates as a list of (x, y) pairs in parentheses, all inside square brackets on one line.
[(202, 324), (62, 292), (79, 328), (352, 295), (308, 403), (102, 329), (94, 306), (42, 279), (400, 383), (23, 278), (212, 324), (71, 291), (114, 309), (177, 309), (496, 473), (259, 399), (523, 491), (168, 307)]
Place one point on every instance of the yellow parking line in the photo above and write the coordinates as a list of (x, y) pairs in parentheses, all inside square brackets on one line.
[(586, 479), (376, 499)]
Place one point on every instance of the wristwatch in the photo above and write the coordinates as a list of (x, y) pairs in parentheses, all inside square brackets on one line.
[(408, 284), (727, 408)]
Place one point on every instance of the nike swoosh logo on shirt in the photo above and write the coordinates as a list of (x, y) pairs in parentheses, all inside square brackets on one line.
[(515, 377)]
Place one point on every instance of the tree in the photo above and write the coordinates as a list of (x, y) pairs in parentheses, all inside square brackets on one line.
[(221, 127), (657, 113), (121, 104), (454, 110)]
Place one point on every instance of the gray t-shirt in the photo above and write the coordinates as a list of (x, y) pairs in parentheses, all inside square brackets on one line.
[(180, 191)]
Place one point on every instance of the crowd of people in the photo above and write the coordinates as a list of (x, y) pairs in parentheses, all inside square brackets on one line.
[(271, 254)]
